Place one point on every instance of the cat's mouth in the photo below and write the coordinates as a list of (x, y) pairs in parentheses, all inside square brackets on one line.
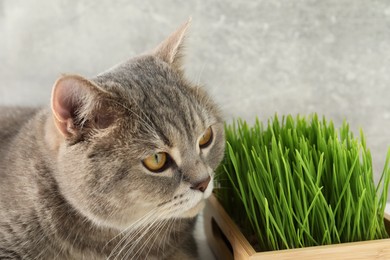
[(186, 203), (199, 205), (185, 206), (194, 210)]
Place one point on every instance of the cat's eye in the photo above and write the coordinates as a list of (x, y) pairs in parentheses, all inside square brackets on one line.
[(156, 162), (206, 138)]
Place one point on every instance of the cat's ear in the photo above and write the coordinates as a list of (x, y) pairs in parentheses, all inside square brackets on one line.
[(170, 50), (73, 101)]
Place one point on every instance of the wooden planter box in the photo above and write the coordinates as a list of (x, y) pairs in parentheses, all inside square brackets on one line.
[(227, 242)]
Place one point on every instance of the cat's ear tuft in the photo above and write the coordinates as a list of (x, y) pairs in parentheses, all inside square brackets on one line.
[(73, 100), (170, 50)]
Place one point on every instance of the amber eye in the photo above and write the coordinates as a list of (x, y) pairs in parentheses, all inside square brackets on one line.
[(156, 162), (206, 138)]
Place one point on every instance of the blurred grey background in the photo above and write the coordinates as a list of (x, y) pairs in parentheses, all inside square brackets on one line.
[(255, 57)]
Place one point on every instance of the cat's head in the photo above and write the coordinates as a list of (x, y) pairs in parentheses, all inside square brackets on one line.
[(137, 142)]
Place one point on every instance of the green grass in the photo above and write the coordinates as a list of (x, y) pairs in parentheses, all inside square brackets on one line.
[(299, 182)]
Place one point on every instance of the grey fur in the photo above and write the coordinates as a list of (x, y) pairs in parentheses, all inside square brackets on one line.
[(87, 195)]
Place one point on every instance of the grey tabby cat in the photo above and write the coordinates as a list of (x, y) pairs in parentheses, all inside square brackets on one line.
[(117, 168)]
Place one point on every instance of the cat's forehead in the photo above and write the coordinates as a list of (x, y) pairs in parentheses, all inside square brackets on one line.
[(146, 70), (176, 114), (168, 108)]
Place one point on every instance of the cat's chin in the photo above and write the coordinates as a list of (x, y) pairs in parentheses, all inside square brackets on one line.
[(194, 211)]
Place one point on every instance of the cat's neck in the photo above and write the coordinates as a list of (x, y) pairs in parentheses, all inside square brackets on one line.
[(71, 229)]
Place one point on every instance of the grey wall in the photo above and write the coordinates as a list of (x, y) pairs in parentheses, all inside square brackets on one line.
[(254, 57)]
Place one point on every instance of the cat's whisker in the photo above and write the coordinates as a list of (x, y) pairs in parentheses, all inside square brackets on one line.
[(164, 230), (157, 235), (164, 211), (156, 230), (164, 242), (42, 237), (145, 230), (140, 222), (159, 227), (200, 73), (177, 222), (161, 236)]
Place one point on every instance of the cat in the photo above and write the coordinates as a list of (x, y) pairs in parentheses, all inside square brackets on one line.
[(117, 167)]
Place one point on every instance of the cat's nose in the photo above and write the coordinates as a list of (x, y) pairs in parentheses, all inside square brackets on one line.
[(202, 185)]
